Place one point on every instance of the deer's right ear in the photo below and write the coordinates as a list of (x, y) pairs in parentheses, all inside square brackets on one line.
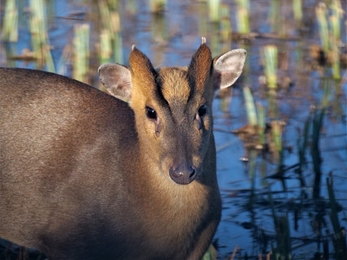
[(117, 80), (227, 68)]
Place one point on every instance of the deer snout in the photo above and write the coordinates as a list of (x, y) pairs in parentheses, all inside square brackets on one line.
[(182, 173)]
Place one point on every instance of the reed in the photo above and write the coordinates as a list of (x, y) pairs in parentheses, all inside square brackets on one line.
[(131, 7), (118, 48), (276, 130), (211, 253), (225, 25), (330, 33), (250, 107), (243, 9), (275, 15), (157, 6), (297, 10), (110, 37), (214, 10), (327, 93), (335, 21), (81, 52), (202, 13), (105, 46), (269, 55), (10, 22), (39, 35), (321, 13), (261, 123)]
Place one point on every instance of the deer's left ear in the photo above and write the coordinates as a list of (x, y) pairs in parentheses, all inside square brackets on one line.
[(227, 68), (117, 80)]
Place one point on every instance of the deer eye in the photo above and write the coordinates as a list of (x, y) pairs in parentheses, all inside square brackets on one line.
[(150, 113), (202, 110)]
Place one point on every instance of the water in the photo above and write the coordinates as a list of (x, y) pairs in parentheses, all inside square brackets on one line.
[(171, 39)]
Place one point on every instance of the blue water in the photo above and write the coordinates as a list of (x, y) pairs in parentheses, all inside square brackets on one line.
[(184, 25)]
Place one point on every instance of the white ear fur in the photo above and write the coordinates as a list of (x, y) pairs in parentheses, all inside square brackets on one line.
[(117, 80), (228, 68)]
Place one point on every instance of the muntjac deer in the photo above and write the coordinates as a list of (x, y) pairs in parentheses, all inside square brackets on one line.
[(85, 175)]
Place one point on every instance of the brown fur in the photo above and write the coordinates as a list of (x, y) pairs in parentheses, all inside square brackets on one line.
[(85, 176)]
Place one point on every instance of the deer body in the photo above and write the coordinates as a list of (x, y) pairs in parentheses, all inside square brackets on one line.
[(85, 175)]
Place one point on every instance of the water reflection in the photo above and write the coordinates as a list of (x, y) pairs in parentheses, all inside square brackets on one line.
[(280, 199)]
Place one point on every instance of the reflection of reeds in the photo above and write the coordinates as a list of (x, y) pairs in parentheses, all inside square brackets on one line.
[(81, 52), (317, 124), (302, 147), (10, 24), (282, 250), (339, 237)]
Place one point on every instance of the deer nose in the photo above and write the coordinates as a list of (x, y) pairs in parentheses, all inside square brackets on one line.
[(182, 174)]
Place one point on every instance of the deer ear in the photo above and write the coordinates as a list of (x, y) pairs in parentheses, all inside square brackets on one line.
[(199, 68), (227, 68), (117, 80), (142, 70)]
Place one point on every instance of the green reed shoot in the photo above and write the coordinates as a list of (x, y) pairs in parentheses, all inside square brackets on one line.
[(10, 24), (330, 39), (118, 48), (276, 130), (327, 90), (243, 9), (256, 118), (131, 7), (210, 254), (261, 123), (39, 35), (157, 6), (81, 52), (250, 107), (335, 40), (105, 46), (321, 13), (110, 20), (225, 25), (269, 55), (214, 10), (110, 37), (275, 15), (297, 10), (335, 20), (335, 24)]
